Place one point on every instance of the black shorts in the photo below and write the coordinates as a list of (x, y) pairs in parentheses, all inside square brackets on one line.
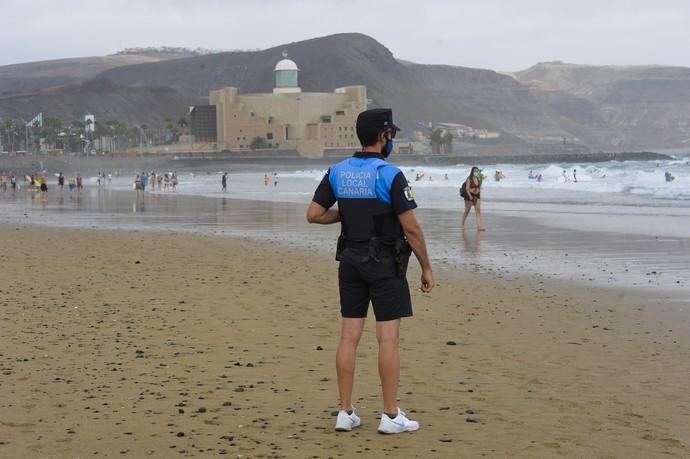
[(362, 281)]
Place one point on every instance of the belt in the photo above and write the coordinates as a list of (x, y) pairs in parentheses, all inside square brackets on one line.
[(381, 249), (356, 244)]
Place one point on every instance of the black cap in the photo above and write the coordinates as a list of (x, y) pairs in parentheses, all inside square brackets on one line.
[(377, 118)]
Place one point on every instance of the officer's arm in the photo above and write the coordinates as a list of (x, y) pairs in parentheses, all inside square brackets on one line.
[(414, 235), (316, 213)]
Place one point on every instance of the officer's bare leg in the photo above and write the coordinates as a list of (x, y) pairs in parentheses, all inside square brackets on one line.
[(388, 335), (350, 334), (468, 207)]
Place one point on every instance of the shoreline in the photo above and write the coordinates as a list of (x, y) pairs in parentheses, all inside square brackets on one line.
[(113, 341), (27, 164)]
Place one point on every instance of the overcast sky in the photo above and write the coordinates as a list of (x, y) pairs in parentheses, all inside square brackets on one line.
[(495, 34)]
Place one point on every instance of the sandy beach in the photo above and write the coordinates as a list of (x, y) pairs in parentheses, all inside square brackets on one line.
[(146, 344)]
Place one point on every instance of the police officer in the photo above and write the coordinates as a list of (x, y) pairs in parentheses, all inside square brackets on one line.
[(378, 231)]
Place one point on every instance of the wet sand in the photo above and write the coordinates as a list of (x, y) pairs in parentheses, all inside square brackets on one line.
[(511, 244), (146, 344)]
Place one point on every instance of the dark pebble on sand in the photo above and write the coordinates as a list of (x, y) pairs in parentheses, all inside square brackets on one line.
[(319, 348), (250, 365), (239, 389), (471, 419), (180, 434), (445, 439), (444, 408), (202, 410), (137, 262), (451, 343), (227, 403), (180, 410), (469, 411)]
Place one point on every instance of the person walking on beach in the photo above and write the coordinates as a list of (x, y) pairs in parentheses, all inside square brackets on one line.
[(80, 184), (575, 175), (173, 181), (139, 186), (13, 183), (224, 182), (267, 179), (43, 183), (61, 181), (275, 179), (144, 181), (379, 231), (471, 194)]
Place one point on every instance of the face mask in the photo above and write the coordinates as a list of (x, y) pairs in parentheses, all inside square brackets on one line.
[(476, 174), (387, 148)]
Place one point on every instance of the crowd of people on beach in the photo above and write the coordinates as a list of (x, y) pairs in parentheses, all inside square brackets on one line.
[(38, 183), (155, 180), (101, 178), (8, 181)]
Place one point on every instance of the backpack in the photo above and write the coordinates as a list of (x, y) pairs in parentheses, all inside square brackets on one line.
[(463, 190)]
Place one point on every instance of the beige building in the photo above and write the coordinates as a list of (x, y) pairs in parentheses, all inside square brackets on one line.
[(289, 119)]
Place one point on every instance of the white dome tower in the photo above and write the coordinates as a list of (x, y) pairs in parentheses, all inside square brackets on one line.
[(286, 73)]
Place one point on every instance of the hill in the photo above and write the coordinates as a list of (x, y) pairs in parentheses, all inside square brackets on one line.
[(643, 105), (105, 99), (37, 76), (607, 108)]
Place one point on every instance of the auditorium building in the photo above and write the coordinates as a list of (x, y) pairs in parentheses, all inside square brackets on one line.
[(287, 119)]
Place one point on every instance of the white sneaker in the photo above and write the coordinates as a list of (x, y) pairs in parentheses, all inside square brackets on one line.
[(398, 425), (346, 422)]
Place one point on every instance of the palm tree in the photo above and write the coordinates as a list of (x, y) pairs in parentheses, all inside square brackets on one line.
[(8, 128), (145, 132), (436, 141), (88, 127), (182, 123), (447, 142), (51, 129), (20, 128)]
